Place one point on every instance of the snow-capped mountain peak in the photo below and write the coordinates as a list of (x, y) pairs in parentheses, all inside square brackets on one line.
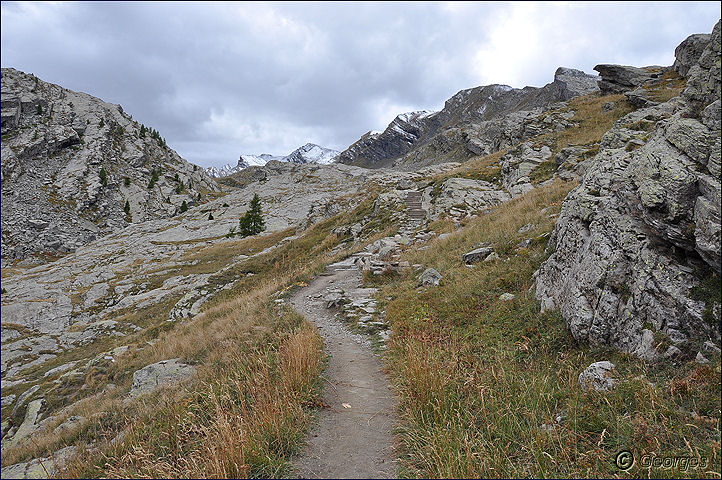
[(309, 153), (312, 153)]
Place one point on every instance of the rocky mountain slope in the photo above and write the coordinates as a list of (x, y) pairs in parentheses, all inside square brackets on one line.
[(636, 250), (75, 168), (308, 153), (476, 121)]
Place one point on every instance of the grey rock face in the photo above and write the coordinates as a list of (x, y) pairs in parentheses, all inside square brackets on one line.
[(688, 52), (430, 278), (573, 83), (621, 78), (642, 230), (599, 376), (28, 426), (156, 375), (70, 162)]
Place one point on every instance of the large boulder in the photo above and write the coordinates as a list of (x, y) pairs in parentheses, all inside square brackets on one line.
[(621, 78), (637, 243)]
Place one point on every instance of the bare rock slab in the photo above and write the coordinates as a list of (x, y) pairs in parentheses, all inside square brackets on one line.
[(156, 375)]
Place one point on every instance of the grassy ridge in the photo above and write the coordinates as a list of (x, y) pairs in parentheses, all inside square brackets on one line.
[(489, 388)]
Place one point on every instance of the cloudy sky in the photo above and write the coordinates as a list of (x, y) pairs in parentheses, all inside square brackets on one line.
[(218, 80)]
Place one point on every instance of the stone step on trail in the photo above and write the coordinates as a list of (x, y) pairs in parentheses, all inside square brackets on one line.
[(414, 206)]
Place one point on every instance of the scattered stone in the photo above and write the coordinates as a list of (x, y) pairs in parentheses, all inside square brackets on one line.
[(527, 227), (405, 184), (505, 297), (8, 400), (492, 256), (430, 278), (477, 255), (701, 359), (672, 352), (156, 375), (599, 376), (710, 347), (621, 78), (547, 427), (24, 396), (60, 369), (69, 424)]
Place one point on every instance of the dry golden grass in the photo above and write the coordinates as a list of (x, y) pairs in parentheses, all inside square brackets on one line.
[(593, 123), (249, 405)]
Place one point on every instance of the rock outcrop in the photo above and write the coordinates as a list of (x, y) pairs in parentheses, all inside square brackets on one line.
[(621, 78), (72, 163), (636, 249)]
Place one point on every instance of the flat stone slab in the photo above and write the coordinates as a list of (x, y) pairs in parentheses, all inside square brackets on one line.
[(156, 375)]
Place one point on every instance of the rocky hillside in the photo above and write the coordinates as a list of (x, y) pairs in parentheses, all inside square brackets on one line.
[(75, 168), (308, 153), (636, 250), (477, 121)]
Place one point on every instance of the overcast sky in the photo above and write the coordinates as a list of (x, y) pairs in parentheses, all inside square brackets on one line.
[(218, 80)]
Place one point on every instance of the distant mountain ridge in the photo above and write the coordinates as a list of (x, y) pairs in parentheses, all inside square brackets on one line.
[(411, 132), (308, 153)]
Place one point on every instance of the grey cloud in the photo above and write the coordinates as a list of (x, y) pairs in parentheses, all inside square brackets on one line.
[(222, 79)]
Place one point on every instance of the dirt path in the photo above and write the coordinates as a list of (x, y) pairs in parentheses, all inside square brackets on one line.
[(353, 437)]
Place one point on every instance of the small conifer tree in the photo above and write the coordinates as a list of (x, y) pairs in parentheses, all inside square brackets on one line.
[(184, 207), (252, 221), (126, 208), (103, 177)]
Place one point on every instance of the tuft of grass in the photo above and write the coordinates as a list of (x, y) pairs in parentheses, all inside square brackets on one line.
[(543, 171), (669, 86)]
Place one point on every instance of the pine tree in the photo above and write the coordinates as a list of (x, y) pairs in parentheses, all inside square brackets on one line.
[(184, 207), (126, 208), (252, 221)]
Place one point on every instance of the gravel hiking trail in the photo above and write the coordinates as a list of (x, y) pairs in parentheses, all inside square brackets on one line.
[(353, 436)]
